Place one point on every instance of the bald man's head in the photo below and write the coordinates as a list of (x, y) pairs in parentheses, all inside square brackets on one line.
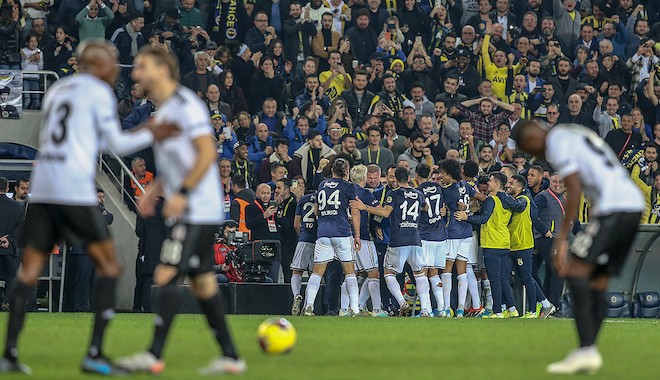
[(99, 58), (263, 192), (452, 154)]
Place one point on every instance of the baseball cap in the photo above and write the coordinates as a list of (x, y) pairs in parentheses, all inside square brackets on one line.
[(463, 53), (240, 144), (210, 45), (173, 13)]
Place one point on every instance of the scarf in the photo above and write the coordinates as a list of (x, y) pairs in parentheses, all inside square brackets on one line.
[(134, 35), (231, 28)]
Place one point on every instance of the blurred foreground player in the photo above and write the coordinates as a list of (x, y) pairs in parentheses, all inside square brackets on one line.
[(76, 127), (190, 183), (587, 164)]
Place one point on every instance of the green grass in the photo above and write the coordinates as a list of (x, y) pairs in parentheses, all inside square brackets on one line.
[(358, 348)]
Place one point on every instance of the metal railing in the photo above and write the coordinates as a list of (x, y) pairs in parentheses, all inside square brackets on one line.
[(119, 179), (45, 75)]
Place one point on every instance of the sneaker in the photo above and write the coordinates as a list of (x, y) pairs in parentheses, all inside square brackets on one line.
[(460, 313), (435, 313), (494, 316), (405, 310), (101, 366), (8, 366), (547, 311), (364, 313), (511, 314), (449, 312), (297, 305), (223, 365), (486, 313), (475, 313), (442, 314), (557, 314), (529, 315), (344, 312), (583, 360), (141, 362), (309, 311), (425, 314), (379, 314), (5, 307)]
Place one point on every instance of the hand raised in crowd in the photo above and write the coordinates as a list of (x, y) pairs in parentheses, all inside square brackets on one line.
[(268, 150), (599, 100)]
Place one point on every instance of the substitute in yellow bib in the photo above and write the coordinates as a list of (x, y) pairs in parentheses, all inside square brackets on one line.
[(522, 241), (496, 241)]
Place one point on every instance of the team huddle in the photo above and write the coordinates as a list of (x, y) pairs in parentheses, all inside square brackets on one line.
[(432, 227)]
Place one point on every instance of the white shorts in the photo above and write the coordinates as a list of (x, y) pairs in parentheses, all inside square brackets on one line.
[(462, 250), (435, 253), (367, 258), (303, 257), (396, 258), (328, 249)]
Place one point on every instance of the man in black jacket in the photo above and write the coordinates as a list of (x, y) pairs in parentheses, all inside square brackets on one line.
[(261, 219), (286, 212), (468, 76), (11, 218), (227, 22), (575, 114), (364, 40), (151, 234), (564, 84), (358, 98), (201, 78), (298, 31)]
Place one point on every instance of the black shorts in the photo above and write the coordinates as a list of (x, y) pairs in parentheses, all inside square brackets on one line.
[(605, 242), (46, 224), (189, 248)]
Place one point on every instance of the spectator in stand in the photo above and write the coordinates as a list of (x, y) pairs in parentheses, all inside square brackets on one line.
[(502, 15), (128, 40), (418, 153), (270, 116), (296, 131), (31, 59), (297, 86), (642, 62), (90, 23), (58, 50), (286, 210), (213, 102), (563, 83), (281, 156), (423, 107), (575, 114), (325, 41), (227, 22), (297, 31), (151, 234), (484, 121), (418, 74), (335, 80), (568, 21), (66, 15), (348, 147), (364, 40), (608, 119), (503, 145), (552, 116), (261, 35), (201, 78), (35, 10), (358, 98), (268, 84), (128, 104), (624, 139), (312, 157), (10, 223), (468, 147), (224, 142), (332, 137), (261, 144), (261, 219), (240, 164), (191, 17), (375, 153), (145, 178), (230, 93), (391, 140), (544, 98), (39, 29), (312, 94)]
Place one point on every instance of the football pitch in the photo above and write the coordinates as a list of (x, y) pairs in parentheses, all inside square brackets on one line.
[(352, 348)]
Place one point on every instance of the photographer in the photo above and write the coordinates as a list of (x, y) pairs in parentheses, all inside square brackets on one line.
[(261, 219), (225, 269)]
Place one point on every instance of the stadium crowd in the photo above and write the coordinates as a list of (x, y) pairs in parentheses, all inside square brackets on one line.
[(434, 87)]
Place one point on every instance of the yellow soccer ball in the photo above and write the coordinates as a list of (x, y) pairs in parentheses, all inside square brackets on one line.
[(276, 336)]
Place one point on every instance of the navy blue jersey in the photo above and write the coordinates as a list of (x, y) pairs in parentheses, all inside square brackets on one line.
[(368, 199), (384, 223), (306, 210), (453, 194), (431, 224), (407, 204), (332, 198)]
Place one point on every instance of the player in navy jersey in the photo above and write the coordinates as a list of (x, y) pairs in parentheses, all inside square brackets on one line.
[(460, 246), (335, 238), (433, 233), (381, 230), (367, 257), (403, 206), (303, 259)]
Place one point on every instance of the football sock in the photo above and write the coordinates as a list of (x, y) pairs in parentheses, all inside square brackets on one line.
[(169, 299), (104, 300), (296, 284), (462, 290), (512, 309), (446, 289), (364, 295), (583, 309), (394, 288), (422, 283), (352, 289), (473, 286), (374, 290), (215, 316), (488, 293), (313, 285), (19, 300), (545, 303), (599, 310), (437, 292), (343, 300)]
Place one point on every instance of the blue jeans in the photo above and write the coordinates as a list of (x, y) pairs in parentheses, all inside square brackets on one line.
[(31, 101), (498, 266), (522, 262)]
